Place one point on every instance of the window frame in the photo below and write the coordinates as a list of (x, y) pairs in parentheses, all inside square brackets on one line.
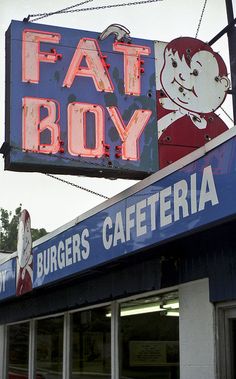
[(115, 314), (224, 313)]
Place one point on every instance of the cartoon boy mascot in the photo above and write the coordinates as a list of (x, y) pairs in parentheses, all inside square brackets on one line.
[(25, 257), (194, 84)]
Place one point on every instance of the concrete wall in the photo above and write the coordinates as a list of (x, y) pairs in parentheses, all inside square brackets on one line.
[(197, 336)]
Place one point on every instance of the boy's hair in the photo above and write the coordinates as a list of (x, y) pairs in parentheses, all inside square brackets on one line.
[(180, 46)]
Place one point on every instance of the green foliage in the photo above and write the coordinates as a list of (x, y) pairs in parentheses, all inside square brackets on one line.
[(9, 229), (38, 233)]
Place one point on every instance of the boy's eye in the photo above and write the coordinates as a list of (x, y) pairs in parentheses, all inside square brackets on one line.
[(195, 72), (174, 63)]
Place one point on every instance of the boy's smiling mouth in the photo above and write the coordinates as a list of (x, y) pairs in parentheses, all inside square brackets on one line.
[(184, 88)]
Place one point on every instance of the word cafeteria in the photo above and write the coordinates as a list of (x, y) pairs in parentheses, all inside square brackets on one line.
[(134, 222)]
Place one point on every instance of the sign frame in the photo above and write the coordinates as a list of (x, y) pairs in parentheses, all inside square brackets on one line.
[(53, 93)]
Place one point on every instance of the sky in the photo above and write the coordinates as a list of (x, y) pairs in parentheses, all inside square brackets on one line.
[(50, 203)]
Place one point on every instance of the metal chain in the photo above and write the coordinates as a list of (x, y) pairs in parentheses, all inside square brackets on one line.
[(227, 114), (71, 10), (67, 182), (42, 15), (97, 8), (201, 17), (77, 186)]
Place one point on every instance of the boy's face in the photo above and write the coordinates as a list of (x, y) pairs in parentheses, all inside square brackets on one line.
[(196, 87), (24, 243)]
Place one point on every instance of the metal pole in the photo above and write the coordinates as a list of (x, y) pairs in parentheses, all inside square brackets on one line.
[(232, 53)]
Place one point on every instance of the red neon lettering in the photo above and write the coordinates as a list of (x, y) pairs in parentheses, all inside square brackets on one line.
[(33, 126), (132, 63), (131, 133), (32, 56), (77, 144), (96, 68)]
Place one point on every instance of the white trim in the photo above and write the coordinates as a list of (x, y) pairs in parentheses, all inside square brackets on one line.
[(115, 340), (224, 312), (66, 347), (18, 322), (94, 306), (8, 257), (149, 294), (3, 352), (32, 349), (52, 315)]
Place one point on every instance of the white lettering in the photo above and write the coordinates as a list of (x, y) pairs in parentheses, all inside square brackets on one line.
[(193, 193), (152, 200), (129, 221), (61, 255), (53, 258), (39, 265), (159, 210), (68, 251), (85, 252), (165, 206), (76, 248), (3, 275), (208, 189), (119, 230), (180, 199), (107, 240), (141, 217), (46, 265)]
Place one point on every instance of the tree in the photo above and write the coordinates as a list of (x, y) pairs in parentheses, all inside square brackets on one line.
[(9, 229)]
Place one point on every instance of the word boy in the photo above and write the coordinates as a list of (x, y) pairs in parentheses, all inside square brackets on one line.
[(87, 62)]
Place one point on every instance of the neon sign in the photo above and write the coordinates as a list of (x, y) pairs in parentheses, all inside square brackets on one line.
[(83, 103), (76, 104)]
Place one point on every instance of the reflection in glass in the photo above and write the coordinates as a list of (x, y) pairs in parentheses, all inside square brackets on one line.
[(49, 348), (91, 344), (233, 346), (18, 351), (149, 338)]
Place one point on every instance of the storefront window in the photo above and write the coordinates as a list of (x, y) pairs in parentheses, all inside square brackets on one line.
[(18, 351), (149, 338), (91, 344), (49, 348)]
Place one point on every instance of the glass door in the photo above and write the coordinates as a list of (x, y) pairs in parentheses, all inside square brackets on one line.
[(227, 341), (18, 351), (149, 338), (91, 344)]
